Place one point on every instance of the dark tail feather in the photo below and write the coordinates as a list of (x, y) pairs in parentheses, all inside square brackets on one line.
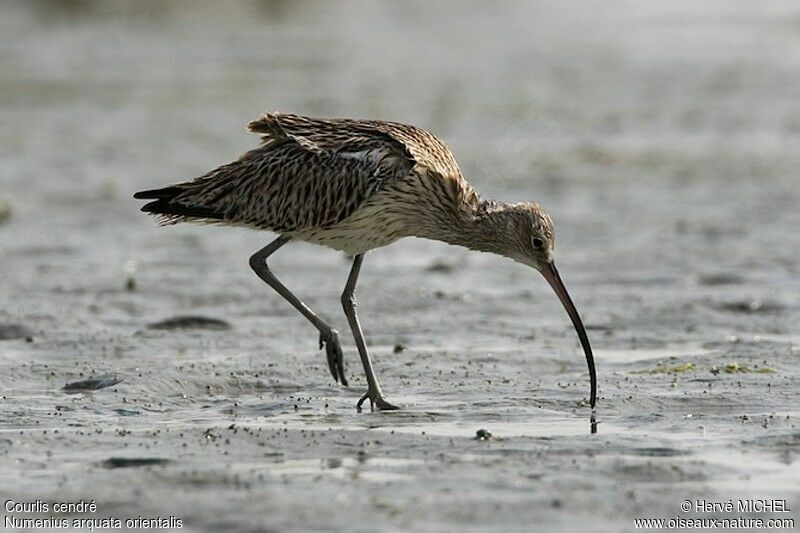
[(164, 206), (166, 192)]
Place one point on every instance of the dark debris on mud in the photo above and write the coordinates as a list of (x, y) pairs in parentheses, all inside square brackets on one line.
[(92, 384), (133, 462), (190, 322), (14, 331)]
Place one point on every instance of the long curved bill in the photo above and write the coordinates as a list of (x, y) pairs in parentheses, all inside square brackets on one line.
[(551, 275)]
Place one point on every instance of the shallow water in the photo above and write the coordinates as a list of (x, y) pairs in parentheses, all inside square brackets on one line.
[(661, 137)]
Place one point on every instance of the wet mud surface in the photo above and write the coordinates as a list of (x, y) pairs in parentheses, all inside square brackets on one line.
[(150, 370)]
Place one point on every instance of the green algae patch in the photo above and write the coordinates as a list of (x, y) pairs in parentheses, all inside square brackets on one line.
[(731, 368), (736, 368), (686, 367)]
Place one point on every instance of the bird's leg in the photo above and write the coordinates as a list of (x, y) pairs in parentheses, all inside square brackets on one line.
[(374, 393), (328, 336)]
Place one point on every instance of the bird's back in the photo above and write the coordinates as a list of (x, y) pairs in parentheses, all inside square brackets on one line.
[(353, 136)]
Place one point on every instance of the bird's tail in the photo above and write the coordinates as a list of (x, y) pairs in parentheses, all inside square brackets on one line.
[(170, 210)]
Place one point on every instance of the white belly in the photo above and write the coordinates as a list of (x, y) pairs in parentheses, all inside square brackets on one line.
[(370, 227)]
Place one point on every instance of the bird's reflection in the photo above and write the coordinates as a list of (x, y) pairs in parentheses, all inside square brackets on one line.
[(592, 423)]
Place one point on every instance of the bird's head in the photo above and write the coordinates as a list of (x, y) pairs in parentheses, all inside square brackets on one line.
[(529, 234), (525, 233)]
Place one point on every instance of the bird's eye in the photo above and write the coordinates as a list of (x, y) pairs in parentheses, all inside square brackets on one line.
[(537, 243)]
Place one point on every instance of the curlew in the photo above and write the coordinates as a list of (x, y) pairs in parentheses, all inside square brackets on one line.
[(356, 185)]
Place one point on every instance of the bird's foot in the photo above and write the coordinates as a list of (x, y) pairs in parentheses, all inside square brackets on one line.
[(333, 351), (376, 402)]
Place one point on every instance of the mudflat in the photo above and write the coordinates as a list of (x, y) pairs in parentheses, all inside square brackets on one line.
[(149, 370)]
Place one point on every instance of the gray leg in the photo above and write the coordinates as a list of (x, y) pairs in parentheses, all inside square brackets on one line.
[(328, 336), (374, 393)]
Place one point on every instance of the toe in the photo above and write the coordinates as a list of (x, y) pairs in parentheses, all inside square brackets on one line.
[(383, 405), (340, 365), (332, 362)]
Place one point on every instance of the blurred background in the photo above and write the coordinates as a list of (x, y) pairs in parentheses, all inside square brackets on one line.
[(661, 135), (634, 122)]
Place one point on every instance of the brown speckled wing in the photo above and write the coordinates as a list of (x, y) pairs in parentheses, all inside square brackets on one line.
[(306, 174), (310, 173), (420, 147)]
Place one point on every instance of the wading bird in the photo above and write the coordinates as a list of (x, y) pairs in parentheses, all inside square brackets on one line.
[(356, 185)]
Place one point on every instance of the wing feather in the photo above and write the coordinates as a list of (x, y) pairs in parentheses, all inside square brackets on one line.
[(307, 173)]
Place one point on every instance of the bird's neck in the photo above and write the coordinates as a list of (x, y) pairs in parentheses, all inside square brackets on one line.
[(487, 230), (476, 223)]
